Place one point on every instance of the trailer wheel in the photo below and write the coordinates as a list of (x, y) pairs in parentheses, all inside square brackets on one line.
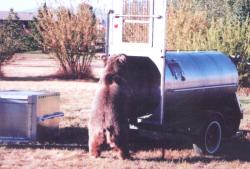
[(209, 141)]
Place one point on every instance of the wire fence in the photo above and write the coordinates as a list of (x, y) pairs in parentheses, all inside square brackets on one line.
[(136, 24)]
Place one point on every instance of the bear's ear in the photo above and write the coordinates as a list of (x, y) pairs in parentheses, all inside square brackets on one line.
[(122, 58)]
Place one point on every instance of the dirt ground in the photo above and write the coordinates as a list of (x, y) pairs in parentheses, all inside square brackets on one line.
[(34, 71)]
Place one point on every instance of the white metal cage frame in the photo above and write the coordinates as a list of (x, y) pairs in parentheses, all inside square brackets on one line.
[(137, 27)]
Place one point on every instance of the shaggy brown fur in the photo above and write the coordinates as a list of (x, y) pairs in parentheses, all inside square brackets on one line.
[(143, 79), (108, 122), (129, 88)]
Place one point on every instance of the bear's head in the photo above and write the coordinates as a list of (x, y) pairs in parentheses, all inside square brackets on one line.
[(114, 66)]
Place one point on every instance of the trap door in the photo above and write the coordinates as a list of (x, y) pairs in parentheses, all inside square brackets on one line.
[(137, 28)]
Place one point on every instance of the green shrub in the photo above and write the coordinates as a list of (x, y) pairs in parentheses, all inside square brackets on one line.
[(9, 38), (16, 37), (7, 48)]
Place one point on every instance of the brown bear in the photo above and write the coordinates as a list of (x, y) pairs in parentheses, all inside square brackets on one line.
[(143, 79), (108, 121)]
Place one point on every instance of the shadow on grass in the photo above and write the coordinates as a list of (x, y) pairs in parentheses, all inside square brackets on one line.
[(73, 138), (69, 138), (232, 149)]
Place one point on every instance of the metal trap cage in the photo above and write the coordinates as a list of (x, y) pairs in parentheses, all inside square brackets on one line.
[(135, 26), (179, 91)]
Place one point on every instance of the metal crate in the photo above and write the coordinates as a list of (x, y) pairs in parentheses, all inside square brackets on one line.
[(28, 115)]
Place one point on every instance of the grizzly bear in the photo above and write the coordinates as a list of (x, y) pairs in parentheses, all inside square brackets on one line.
[(108, 121)]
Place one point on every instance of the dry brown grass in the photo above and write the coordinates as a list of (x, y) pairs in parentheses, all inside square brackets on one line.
[(69, 150)]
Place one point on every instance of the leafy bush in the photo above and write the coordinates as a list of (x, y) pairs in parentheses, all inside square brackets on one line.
[(7, 48), (10, 39), (70, 36), (30, 37), (14, 37)]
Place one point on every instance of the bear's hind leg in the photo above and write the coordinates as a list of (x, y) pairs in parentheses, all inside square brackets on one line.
[(95, 144), (118, 142)]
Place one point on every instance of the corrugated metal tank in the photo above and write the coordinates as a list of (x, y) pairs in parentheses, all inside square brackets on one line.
[(199, 72)]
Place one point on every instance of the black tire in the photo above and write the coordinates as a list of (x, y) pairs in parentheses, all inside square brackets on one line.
[(209, 141)]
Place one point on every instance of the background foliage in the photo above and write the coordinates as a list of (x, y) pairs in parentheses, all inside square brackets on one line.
[(10, 37), (70, 36), (15, 36), (221, 25)]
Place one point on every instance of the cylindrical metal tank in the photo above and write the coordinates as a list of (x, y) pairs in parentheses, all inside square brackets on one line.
[(198, 84), (194, 82), (200, 72)]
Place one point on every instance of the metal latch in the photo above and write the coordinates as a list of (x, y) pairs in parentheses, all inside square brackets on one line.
[(50, 116), (176, 70), (139, 16)]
